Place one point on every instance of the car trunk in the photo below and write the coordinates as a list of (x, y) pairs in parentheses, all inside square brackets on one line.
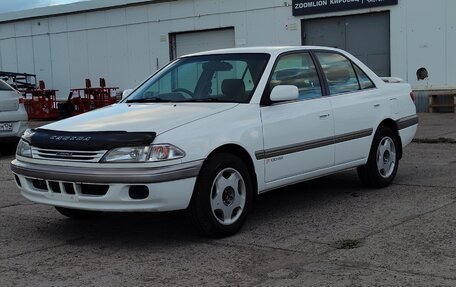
[(9, 100)]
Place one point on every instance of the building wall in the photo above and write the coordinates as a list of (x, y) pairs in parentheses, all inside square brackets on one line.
[(125, 45)]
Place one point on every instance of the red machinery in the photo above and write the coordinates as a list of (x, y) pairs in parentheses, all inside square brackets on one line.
[(89, 98), (42, 104)]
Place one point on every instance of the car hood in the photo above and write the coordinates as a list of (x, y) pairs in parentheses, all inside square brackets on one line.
[(156, 117)]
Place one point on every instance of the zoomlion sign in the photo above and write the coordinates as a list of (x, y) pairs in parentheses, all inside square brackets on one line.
[(306, 7)]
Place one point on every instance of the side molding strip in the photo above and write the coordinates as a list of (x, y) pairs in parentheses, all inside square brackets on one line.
[(274, 152), (407, 122)]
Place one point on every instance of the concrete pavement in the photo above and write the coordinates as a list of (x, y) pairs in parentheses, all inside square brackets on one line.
[(326, 232), (436, 127)]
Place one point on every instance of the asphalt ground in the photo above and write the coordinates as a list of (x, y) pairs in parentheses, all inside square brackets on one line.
[(327, 232)]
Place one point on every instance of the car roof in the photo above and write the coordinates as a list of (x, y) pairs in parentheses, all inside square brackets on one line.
[(273, 50)]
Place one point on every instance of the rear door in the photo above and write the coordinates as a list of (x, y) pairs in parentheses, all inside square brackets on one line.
[(298, 135), (355, 100), (9, 100)]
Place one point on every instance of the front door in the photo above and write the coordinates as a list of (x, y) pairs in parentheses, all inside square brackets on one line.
[(298, 135)]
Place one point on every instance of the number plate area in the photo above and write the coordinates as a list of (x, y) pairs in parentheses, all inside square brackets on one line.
[(6, 127)]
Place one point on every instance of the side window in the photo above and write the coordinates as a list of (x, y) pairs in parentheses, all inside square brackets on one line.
[(297, 70), (364, 81), (339, 73)]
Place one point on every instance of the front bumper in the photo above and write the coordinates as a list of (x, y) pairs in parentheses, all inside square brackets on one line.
[(107, 189)]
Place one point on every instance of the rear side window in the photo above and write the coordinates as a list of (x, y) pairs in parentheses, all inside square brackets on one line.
[(364, 81), (4, 87), (339, 73), (297, 70)]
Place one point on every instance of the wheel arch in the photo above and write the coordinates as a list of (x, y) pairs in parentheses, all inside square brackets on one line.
[(242, 153), (389, 123)]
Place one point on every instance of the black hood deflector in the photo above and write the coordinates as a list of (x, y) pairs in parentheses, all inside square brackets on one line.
[(89, 141)]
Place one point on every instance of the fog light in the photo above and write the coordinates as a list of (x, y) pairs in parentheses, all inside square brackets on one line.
[(138, 192)]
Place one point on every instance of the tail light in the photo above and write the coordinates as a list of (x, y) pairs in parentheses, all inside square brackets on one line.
[(21, 100), (412, 96)]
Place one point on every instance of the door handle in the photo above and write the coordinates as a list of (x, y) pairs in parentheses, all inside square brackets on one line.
[(325, 116), (376, 105)]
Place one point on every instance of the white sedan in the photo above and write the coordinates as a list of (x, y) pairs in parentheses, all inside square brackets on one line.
[(13, 118), (211, 131)]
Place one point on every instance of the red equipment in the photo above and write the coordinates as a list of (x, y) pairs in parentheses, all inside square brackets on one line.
[(90, 98), (42, 104)]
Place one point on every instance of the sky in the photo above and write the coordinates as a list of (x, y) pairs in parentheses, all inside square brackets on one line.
[(18, 5)]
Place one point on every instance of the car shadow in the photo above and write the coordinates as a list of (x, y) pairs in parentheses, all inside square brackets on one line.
[(144, 229)]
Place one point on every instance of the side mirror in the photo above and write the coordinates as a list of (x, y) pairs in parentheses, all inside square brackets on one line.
[(284, 93), (126, 93)]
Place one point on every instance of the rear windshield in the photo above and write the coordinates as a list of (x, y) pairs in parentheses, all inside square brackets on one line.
[(4, 87)]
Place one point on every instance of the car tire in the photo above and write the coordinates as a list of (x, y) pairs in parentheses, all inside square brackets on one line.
[(222, 197), (77, 213), (383, 161)]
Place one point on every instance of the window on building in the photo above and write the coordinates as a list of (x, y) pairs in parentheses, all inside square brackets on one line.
[(297, 70)]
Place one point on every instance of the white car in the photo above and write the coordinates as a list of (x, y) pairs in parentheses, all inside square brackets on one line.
[(13, 118), (211, 131)]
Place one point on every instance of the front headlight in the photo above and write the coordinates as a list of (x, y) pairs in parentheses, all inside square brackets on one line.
[(153, 153), (24, 149)]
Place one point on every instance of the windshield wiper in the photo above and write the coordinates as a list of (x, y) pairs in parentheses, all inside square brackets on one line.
[(148, 100)]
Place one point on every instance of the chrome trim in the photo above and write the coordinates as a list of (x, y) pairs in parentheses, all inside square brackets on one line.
[(67, 155), (407, 122), (107, 175), (274, 152)]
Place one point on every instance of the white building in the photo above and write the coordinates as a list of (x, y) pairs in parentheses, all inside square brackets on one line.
[(124, 41)]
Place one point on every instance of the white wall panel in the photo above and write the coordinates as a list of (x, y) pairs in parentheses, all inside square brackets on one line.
[(7, 31), (97, 42), (42, 59), (116, 52), (425, 41), (95, 20), (58, 24), (226, 6), (260, 29), (205, 7), (450, 54), (76, 22), (40, 26), (78, 57), (61, 64), (116, 17), (158, 12), (9, 55), (24, 49), (207, 22), (182, 9), (139, 62), (136, 14), (23, 29)]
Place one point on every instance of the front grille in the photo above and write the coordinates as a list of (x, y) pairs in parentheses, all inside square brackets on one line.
[(67, 155), (71, 188), (55, 186), (39, 184)]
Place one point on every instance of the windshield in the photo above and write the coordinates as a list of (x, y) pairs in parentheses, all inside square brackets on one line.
[(213, 78)]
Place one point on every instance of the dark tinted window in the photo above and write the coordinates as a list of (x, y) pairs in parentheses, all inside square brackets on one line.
[(297, 70), (339, 73), (364, 81)]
